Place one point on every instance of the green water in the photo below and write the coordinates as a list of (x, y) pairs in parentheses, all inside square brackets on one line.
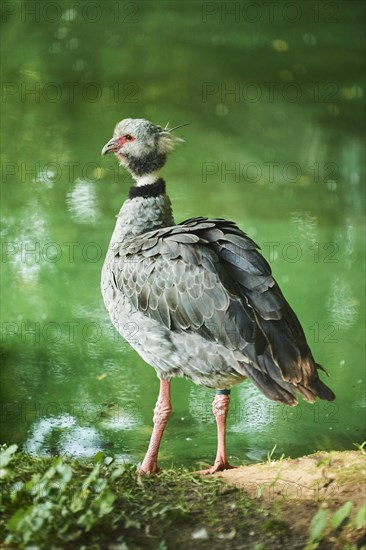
[(275, 102)]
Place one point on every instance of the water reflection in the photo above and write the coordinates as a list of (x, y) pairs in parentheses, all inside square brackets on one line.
[(253, 412), (306, 226), (342, 304), (82, 202), (26, 241), (46, 176), (62, 436)]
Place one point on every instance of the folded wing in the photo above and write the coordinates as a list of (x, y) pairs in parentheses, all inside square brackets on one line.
[(207, 276)]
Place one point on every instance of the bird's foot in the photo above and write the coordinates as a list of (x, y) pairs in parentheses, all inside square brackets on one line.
[(152, 468), (219, 466)]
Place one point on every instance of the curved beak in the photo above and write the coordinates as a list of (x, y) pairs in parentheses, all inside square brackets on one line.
[(112, 145)]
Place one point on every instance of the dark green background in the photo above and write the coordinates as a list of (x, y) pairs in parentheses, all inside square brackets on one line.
[(274, 94)]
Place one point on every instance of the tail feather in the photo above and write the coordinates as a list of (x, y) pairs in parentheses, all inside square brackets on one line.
[(270, 387), (308, 393), (322, 391), (318, 388), (273, 386), (313, 388)]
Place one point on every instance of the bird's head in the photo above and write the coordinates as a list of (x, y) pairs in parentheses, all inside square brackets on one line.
[(141, 146)]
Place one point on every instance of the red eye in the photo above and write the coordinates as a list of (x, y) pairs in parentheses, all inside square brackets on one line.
[(128, 137)]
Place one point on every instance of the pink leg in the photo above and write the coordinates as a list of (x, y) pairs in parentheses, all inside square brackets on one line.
[(162, 412), (220, 408)]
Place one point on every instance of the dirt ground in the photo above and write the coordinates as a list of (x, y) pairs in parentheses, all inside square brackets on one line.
[(298, 487)]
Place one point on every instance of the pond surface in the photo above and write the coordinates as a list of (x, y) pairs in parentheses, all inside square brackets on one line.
[(275, 102)]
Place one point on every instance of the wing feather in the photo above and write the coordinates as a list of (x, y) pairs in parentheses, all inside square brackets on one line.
[(208, 277)]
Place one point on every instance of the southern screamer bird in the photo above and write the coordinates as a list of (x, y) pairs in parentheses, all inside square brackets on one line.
[(201, 296)]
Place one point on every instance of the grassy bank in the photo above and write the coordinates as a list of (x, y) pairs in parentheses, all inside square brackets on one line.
[(61, 503)]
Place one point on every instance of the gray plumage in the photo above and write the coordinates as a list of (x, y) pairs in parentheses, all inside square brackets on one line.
[(200, 297)]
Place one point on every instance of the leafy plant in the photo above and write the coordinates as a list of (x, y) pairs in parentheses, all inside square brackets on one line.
[(318, 525), (6, 456), (322, 520), (361, 447), (341, 514)]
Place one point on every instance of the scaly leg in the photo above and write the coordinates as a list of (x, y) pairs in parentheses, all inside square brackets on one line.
[(220, 408), (162, 412)]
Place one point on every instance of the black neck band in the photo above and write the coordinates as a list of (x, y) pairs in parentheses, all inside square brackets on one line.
[(152, 190)]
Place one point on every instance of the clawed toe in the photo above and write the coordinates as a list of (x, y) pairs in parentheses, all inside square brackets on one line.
[(217, 467), (153, 470)]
